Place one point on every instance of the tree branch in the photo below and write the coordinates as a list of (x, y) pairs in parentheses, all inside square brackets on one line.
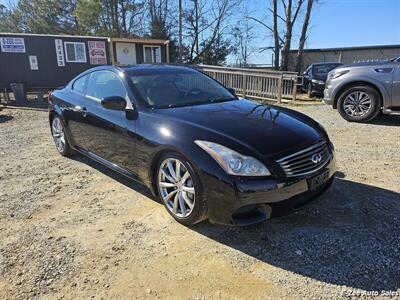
[(284, 20)]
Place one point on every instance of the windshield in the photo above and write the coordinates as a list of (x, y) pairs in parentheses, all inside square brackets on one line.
[(178, 88), (324, 69)]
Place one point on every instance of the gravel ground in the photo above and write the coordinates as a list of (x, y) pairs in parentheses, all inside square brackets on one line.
[(69, 228)]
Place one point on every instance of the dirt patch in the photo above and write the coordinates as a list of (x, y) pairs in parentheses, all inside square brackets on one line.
[(70, 228)]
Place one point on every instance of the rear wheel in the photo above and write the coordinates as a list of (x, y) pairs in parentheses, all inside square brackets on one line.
[(59, 137), (179, 189), (309, 90), (359, 104)]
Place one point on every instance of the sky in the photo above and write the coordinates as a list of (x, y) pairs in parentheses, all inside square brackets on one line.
[(334, 23), (345, 23)]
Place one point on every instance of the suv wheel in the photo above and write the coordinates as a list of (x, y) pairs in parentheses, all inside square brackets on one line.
[(359, 104)]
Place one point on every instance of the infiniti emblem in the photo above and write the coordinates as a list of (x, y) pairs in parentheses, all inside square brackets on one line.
[(316, 158)]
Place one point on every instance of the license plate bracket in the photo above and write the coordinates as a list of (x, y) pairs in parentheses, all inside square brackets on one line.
[(318, 180)]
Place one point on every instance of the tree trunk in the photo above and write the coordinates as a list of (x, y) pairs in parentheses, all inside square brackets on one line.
[(303, 36), (288, 37), (115, 18)]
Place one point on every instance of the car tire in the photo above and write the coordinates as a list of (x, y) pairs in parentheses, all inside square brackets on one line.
[(309, 91), (360, 103), (60, 137), (168, 183)]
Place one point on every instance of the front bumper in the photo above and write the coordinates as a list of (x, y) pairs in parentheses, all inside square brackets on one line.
[(249, 201), (328, 100), (318, 88)]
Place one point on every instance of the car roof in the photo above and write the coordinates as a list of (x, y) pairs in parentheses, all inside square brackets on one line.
[(141, 69), (157, 69)]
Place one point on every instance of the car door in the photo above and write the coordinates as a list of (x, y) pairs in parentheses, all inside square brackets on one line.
[(74, 113), (396, 88), (109, 134)]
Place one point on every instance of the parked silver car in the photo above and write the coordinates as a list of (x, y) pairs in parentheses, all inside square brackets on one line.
[(361, 91)]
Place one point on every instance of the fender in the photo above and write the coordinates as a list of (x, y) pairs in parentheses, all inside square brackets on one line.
[(358, 80)]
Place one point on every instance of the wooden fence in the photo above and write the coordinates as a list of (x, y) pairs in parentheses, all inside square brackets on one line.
[(254, 83)]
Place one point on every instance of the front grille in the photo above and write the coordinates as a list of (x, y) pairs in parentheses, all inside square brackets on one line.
[(306, 161)]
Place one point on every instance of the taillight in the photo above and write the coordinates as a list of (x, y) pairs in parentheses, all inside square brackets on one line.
[(49, 98)]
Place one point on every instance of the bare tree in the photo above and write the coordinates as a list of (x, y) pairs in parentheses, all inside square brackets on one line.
[(244, 37), (158, 12), (290, 20), (274, 29), (303, 36), (283, 26), (121, 18), (204, 26)]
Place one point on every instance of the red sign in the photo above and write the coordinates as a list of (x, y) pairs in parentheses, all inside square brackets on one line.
[(97, 53)]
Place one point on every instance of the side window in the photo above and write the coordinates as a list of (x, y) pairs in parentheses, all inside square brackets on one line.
[(79, 85), (152, 54), (105, 84)]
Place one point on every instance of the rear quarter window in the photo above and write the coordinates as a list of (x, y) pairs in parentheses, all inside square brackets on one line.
[(79, 85)]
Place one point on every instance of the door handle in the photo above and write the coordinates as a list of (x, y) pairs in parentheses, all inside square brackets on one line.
[(84, 111)]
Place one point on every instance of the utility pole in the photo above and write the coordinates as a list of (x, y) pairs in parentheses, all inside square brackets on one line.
[(180, 30), (196, 9)]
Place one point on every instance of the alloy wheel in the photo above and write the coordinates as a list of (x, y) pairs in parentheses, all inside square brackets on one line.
[(357, 104), (176, 187), (58, 134)]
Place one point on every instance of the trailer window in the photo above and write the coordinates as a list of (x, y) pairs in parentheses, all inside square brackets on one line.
[(152, 54), (75, 52)]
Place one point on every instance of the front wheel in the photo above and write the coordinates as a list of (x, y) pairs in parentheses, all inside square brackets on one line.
[(180, 190), (59, 137), (359, 104)]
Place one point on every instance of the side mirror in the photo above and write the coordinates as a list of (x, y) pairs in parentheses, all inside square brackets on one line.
[(232, 91), (114, 103), (304, 73)]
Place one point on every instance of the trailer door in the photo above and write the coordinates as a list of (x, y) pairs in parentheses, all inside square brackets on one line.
[(126, 53)]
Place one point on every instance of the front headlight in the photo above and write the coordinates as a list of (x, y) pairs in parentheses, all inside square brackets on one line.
[(232, 162), (338, 73), (318, 81)]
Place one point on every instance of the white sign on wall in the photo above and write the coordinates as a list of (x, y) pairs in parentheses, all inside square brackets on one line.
[(33, 62), (97, 52), (12, 44), (60, 53)]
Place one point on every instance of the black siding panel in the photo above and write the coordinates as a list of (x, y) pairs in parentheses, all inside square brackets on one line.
[(15, 67), (139, 54)]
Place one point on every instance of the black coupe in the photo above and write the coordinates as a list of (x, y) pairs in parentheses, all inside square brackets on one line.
[(202, 150)]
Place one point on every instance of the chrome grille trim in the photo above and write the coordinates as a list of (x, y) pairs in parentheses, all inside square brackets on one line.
[(300, 163)]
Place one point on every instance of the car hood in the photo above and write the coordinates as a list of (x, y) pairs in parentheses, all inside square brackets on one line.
[(264, 128), (322, 77), (367, 64)]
